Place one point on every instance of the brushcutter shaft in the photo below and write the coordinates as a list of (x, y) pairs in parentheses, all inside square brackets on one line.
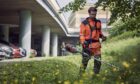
[(73, 49)]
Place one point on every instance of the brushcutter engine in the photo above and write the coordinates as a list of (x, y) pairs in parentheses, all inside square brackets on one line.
[(71, 48)]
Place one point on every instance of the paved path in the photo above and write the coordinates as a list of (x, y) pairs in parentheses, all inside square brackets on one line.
[(24, 59)]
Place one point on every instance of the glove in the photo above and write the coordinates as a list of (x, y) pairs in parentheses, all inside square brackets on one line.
[(85, 44), (104, 38)]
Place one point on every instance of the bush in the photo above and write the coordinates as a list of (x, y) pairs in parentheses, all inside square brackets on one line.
[(125, 35), (51, 71), (119, 28)]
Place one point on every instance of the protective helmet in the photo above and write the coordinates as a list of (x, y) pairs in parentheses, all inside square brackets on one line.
[(92, 9)]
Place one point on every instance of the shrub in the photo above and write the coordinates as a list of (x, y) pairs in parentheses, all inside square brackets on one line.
[(132, 24), (51, 71), (125, 35)]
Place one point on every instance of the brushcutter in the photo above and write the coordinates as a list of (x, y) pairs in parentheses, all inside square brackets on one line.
[(73, 49)]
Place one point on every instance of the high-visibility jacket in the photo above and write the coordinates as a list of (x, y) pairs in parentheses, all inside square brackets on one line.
[(91, 29)]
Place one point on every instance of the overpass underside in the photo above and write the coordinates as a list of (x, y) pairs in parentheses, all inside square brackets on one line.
[(31, 24)]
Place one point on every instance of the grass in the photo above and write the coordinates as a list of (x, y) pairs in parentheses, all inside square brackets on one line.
[(64, 70), (125, 54), (50, 71)]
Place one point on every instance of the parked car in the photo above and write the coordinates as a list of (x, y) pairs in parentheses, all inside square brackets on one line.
[(8, 50)]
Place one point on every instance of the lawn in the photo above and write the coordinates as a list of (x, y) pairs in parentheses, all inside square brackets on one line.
[(124, 54)]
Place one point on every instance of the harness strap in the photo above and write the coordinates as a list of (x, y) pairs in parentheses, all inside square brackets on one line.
[(92, 28), (86, 22)]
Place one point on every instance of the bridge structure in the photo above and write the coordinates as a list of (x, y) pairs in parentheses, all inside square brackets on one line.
[(37, 24), (33, 24)]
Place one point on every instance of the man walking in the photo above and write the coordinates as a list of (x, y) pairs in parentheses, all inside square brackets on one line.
[(90, 33)]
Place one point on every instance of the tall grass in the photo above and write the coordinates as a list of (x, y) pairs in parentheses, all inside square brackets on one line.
[(122, 53), (125, 54)]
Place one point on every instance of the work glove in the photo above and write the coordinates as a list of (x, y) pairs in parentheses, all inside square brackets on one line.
[(104, 38), (85, 44)]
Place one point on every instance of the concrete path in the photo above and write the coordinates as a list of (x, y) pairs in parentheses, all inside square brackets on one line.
[(23, 59)]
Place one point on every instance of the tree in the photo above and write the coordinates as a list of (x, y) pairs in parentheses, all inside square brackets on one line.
[(122, 9), (74, 6)]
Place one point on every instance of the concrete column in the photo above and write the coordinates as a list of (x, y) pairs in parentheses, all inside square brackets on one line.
[(5, 31), (54, 45), (25, 30), (46, 41)]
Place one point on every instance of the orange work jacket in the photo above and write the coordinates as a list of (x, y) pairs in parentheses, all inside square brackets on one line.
[(85, 31)]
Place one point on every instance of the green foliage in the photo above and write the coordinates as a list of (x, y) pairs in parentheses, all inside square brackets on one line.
[(122, 9), (51, 71), (122, 53), (125, 35), (132, 25), (76, 59), (74, 6), (116, 47), (125, 55)]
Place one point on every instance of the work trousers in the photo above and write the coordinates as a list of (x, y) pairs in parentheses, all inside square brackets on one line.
[(86, 57)]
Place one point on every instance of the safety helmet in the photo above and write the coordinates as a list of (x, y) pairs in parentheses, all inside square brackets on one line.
[(92, 9)]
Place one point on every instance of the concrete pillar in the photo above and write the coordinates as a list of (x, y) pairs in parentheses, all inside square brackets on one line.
[(25, 30), (54, 45), (5, 31), (46, 41)]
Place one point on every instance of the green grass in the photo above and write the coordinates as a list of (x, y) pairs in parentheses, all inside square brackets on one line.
[(125, 35), (64, 70), (122, 53), (50, 71), (117, 47), (125, 54)]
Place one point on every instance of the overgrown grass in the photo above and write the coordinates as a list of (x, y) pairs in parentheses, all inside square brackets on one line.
[(119, 46), (125, 35), (125, 54), (65, 70), (120, 27)]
